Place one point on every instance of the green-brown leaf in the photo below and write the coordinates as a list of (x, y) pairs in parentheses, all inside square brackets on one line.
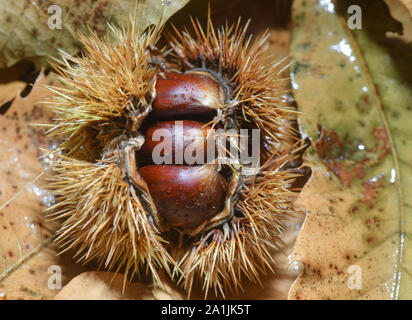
[(25, 32), (354, 88)]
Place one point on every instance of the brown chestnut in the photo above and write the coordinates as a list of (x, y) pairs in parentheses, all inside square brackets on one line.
[(185, 196), (179, 142), (185, 94)]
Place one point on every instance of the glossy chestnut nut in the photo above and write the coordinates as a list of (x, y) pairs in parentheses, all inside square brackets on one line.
[(185, 196), (183, 94), (179, 142)]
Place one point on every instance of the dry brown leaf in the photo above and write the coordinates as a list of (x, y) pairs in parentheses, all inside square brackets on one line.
[(9, 91), (108, 286), (401, 14), (408, 5), (25, 248)]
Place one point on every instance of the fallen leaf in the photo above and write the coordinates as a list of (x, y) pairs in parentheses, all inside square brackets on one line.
[(353, 88), (401, 14), (408, 5), (25, 245), (30, 29), (108, 286)]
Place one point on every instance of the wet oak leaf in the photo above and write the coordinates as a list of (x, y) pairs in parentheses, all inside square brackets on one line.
[(354, 90)]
